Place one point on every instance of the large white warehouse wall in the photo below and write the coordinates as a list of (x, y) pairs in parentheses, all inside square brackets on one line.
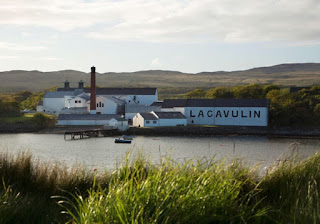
[(53, 105), (238, 116), (200, 115)]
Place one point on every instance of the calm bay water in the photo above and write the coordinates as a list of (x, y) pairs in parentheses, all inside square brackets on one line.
[(104, 153)]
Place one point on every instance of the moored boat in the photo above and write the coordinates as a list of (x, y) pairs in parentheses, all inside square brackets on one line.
[(118, 140)]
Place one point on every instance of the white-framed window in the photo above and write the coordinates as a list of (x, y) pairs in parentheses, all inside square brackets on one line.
[(154, 122)]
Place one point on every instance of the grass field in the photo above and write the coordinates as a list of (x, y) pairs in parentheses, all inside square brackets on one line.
[(23, 118)]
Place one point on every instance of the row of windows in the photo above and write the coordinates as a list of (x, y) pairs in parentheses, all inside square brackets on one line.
[(77, 101), (100, 104), (148, 122)]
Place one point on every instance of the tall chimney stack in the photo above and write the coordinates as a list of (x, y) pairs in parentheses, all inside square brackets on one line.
[(93, 91)]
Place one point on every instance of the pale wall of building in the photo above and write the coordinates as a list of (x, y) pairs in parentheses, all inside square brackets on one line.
[(172, 122), (53, 105), (139, 121), (75, 102), (83, 122), (105, 105), (235, 116), (142, 99)]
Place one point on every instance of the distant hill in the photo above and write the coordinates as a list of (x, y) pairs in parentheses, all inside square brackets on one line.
[(303, 74)]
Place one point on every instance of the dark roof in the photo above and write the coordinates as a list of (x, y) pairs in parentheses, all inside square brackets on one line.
[(170, 103), (170, 115), (120, 119), (148, 116), (294, 89), (60, 94), (117, 91), (87, 116), (157, 104)]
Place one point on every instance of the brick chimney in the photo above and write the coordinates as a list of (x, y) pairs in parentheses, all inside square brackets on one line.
[(93, 91)]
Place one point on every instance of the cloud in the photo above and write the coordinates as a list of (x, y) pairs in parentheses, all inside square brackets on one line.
[(20, 47), (8, 57), (156, 63), (178, 21)]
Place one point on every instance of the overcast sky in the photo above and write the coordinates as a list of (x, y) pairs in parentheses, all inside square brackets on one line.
[(132, 35)]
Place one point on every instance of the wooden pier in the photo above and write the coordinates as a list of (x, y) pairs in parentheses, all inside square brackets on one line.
[(88, 134)]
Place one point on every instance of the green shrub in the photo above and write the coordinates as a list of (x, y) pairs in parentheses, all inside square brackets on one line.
[(43, 120)]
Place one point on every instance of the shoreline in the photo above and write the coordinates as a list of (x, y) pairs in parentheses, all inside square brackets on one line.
[(306, 132)]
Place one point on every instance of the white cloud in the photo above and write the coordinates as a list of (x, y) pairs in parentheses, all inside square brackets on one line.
[(48, 59), (8, 57), (20, 47), (173, 20), (156, 63)]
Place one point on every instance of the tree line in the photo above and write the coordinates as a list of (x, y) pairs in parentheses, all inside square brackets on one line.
[(300, 108)]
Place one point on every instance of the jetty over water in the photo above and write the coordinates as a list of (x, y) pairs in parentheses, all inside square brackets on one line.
[(81, 134)]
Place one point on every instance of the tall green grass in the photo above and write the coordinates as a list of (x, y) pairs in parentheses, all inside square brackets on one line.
[(292, 190), (206, 191), (27, 186), (202, 192)]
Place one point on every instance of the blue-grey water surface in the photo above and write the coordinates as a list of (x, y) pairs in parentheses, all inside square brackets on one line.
[(102, 152)]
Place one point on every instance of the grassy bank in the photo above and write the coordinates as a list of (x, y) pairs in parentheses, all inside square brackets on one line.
[(207, 191), (27, 117)]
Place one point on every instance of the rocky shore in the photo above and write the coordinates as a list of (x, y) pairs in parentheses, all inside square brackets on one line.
[(313, 132), (225, 130)]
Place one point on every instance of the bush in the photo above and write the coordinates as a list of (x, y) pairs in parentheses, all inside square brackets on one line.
[(43, 121)]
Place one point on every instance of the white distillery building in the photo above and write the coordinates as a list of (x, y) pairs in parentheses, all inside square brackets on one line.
[(158, 119), (235, 112), (108, 100), (96, 101)]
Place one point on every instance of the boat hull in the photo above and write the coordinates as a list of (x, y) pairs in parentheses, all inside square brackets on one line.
[(122, 141)]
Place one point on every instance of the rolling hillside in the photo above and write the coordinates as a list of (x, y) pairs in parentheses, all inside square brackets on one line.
[(285, 74)]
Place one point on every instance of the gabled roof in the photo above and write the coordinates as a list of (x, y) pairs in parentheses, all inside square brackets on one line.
[(121, 119), (60, 94), (148, 116), (117, 91), (84, 96), (87, 116), (170, 115), (157, 104), (170, 103), (116, 100), (124, 91)]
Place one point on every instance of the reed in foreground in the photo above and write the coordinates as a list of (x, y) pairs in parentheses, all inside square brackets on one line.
[(26, 187), (202, 192), (292, 190)]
